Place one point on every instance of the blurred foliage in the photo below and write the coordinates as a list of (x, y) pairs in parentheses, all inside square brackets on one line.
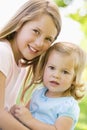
[(63, 3), (81, 17), (82, 123)]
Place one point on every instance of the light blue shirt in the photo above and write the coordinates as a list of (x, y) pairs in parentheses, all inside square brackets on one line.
[(48, 109)]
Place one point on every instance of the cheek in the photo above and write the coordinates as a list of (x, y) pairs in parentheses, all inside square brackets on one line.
[(71, 79), (23, 35), (23, 38), (46, 46), (66, 81), (45, 75)]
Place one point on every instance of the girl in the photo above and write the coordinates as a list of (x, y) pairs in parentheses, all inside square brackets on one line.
[(54, 106), (28, 34)]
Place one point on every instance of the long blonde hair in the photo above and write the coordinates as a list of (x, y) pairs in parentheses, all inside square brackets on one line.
[(80, 60), (28, 12)]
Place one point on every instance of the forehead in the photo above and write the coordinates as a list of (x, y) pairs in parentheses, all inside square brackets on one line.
[(58, 58)]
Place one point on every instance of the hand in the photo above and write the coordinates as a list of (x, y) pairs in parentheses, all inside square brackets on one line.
[(21, 113), (12, 110)]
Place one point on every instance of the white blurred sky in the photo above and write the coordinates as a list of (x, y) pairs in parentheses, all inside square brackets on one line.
[(70, 29)]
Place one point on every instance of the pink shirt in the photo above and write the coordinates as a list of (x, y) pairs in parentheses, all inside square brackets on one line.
[(14, 74)]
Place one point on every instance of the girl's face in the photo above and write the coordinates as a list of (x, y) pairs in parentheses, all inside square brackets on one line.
[(35, 37), (58, 74)]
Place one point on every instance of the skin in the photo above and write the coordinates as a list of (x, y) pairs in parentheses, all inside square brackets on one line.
[(7, 122), (30, 41), (34, 38), (58, 76)]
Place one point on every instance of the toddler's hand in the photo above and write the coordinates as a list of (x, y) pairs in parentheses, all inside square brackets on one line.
[(21, 113), (13, 108)]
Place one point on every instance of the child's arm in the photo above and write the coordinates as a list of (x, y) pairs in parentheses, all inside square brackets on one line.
[(63, 123), (2, 89), (24, 115), (8, 122)]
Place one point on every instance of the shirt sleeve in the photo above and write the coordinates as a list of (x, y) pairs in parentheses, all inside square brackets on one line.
[(71, 110), (5, 60)]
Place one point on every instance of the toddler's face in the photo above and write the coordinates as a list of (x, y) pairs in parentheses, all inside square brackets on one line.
[(59, 73)]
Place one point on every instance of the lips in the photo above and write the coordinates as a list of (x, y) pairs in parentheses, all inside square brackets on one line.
[(33, 49), (54, 83)]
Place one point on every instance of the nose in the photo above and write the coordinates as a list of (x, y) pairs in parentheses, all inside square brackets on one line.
[(39, 42), (57, 75)]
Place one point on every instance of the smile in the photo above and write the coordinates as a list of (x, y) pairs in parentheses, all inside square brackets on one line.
[(32, 49)]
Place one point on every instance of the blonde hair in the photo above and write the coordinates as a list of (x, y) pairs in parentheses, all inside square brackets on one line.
[(29, 11), (79, 57)]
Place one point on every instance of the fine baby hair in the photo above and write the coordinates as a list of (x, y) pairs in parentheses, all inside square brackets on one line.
[(28, 12), (79, 58)]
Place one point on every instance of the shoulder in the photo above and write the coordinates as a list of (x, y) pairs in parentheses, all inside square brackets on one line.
[(70, 102), (73, 106), (6, 51), (70, 108), (6, 57), (38, 91), (5, 48)]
